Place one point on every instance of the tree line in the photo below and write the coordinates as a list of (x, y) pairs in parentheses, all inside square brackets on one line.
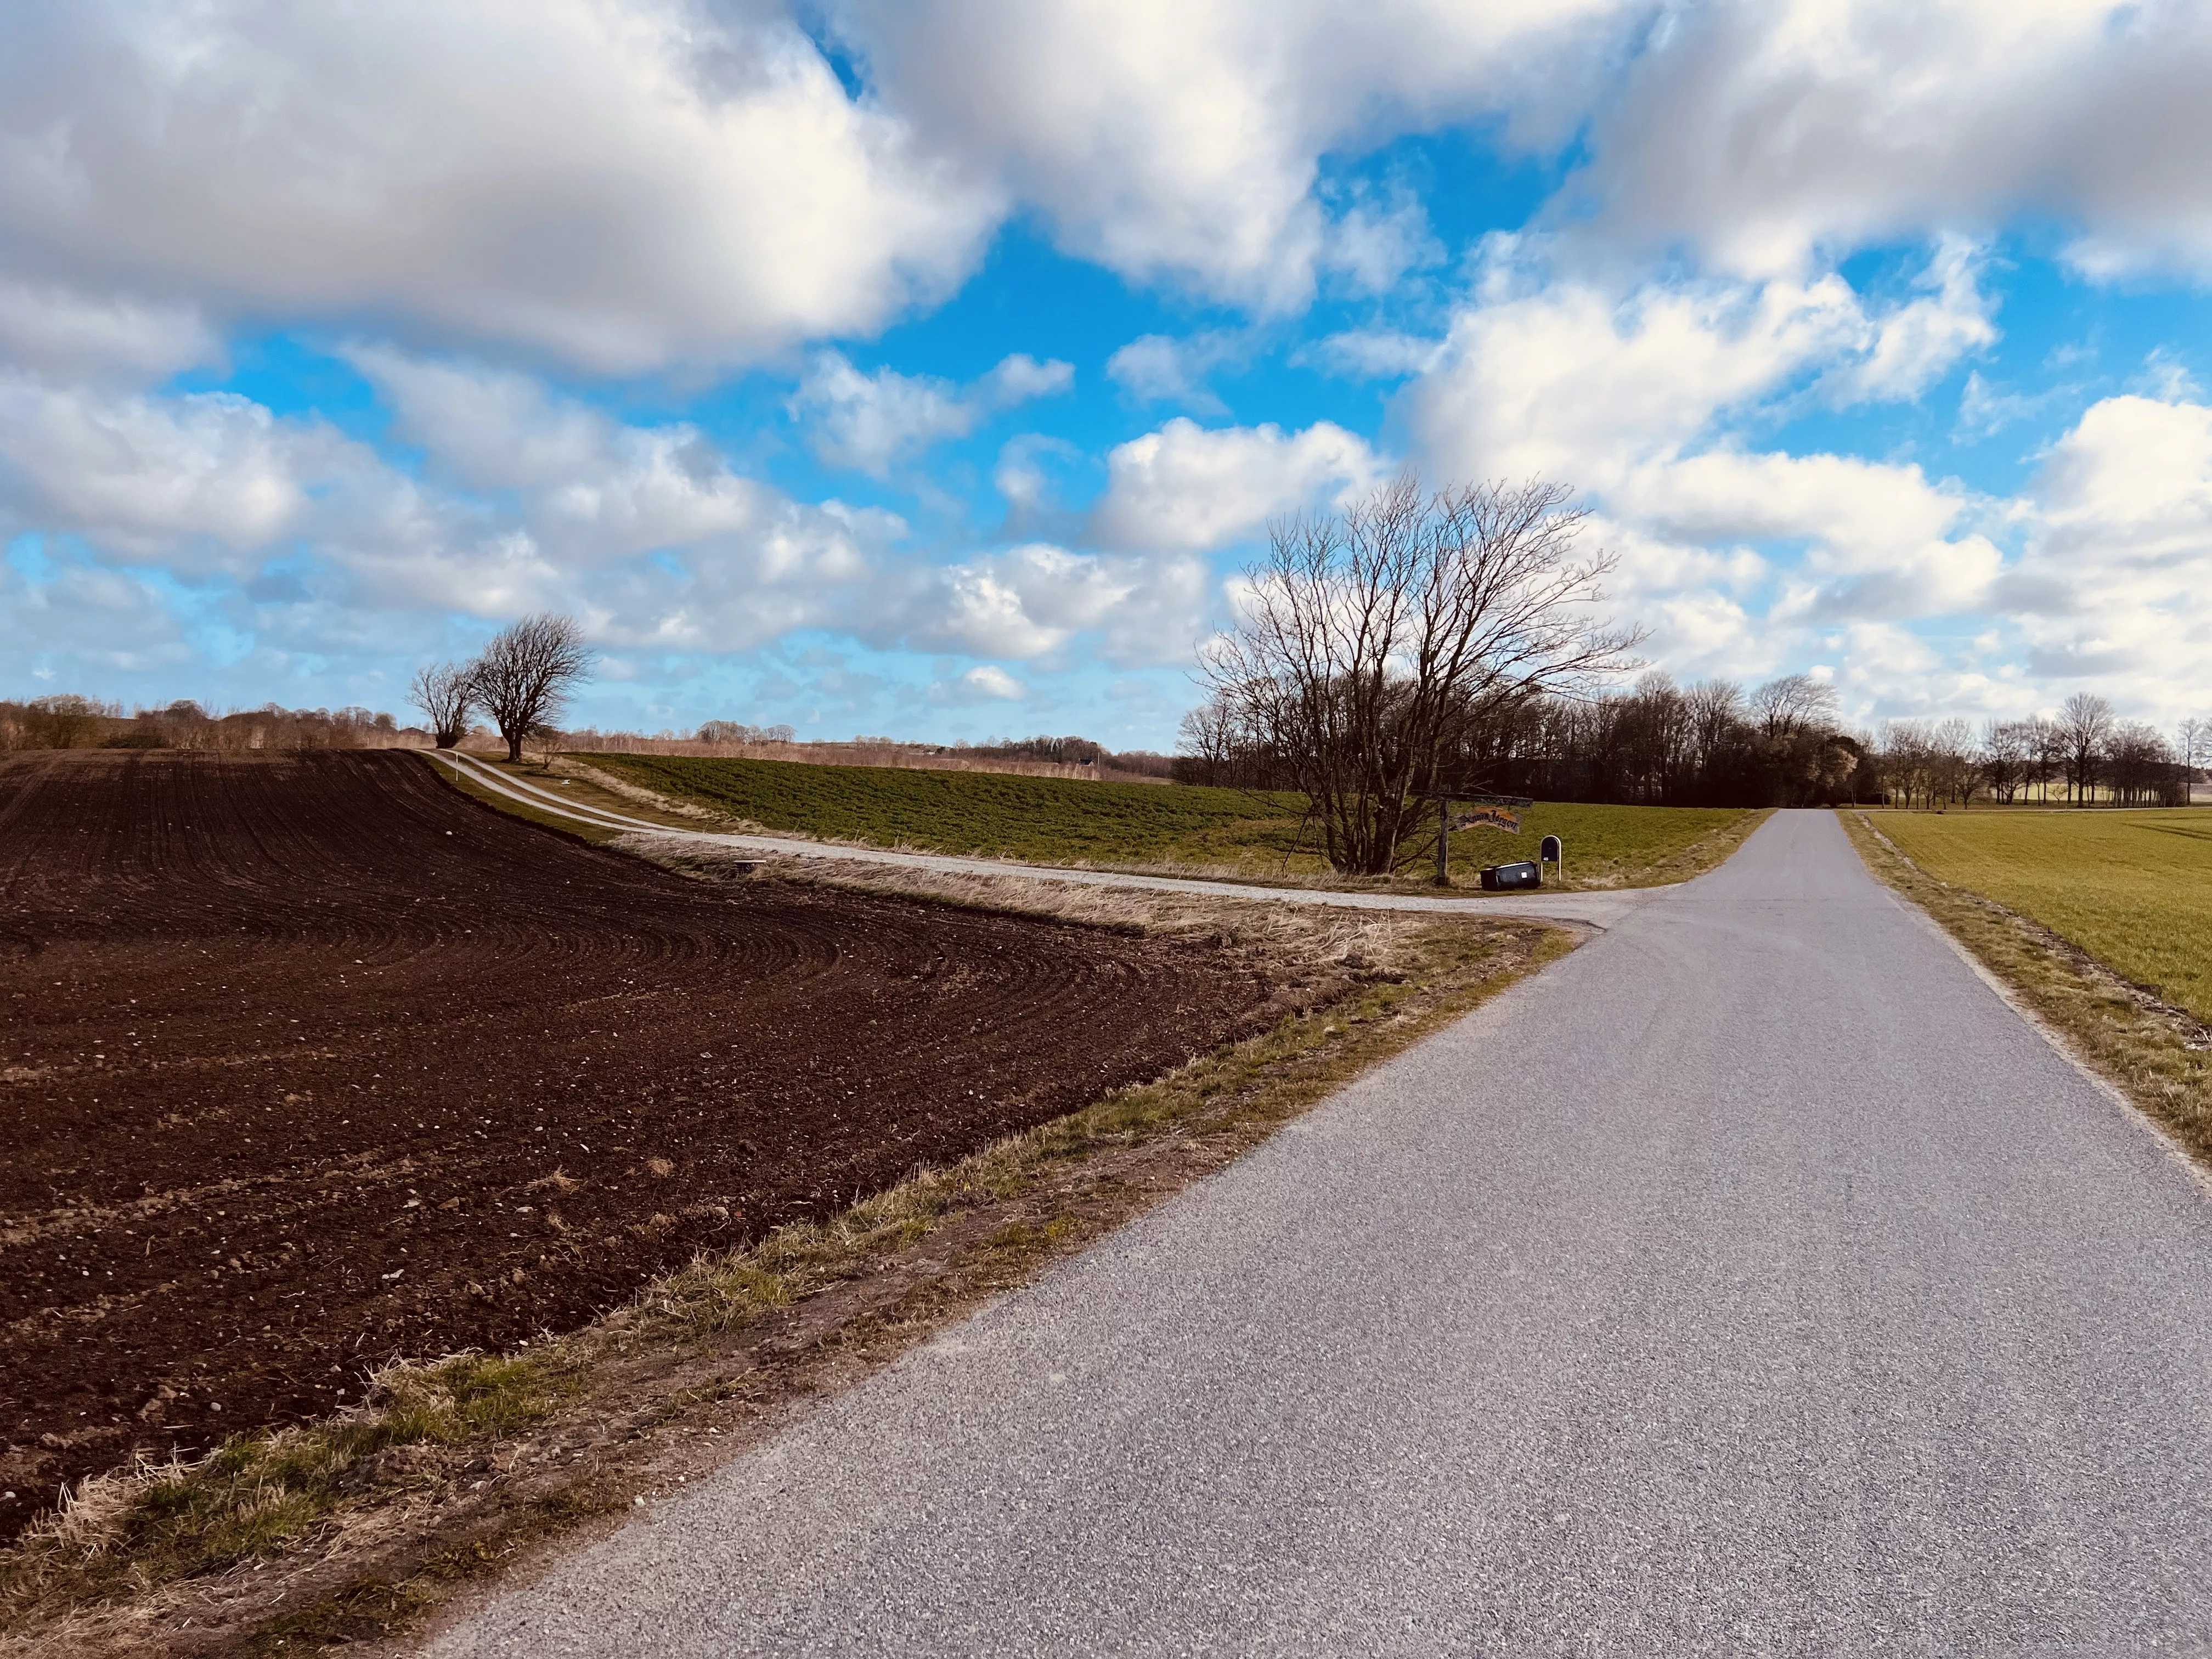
[(1713, 744), (2084, 754), (66, 720)]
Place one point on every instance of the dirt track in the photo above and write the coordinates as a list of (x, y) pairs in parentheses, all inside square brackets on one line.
[(312, 1061)]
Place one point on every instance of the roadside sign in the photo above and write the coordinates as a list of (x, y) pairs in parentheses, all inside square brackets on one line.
[(1496, 811)]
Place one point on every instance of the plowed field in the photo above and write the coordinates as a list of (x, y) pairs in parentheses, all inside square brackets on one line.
[(311, 1061)]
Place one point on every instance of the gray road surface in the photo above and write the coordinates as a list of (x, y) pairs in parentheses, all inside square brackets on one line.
[(1600, 908), (1752, 1282)]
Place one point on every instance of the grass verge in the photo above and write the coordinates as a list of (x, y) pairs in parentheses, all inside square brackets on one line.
[(1227, 834), (2133, 889), (2156, 1053), (358, 1526)]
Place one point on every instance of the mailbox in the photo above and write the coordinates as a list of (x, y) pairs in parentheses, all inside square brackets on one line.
[(1511, 877), (1549, 852)]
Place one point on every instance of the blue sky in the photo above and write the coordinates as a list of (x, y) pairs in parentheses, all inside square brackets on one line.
[(931, 369)]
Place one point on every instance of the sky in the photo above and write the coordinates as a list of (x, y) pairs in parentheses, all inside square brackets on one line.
[(930, 367)]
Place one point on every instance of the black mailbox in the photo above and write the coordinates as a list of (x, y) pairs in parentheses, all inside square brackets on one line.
[(1549, 852), (1511, 877)]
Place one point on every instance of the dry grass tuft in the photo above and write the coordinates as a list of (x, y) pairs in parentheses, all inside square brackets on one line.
[(259, 1495)]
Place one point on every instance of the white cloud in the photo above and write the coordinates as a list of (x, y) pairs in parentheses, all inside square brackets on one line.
[(1032, 602), (1571, 382), (1362, 354), (1179, 140), (982, 683), (530, 501), (1157, 368), (205, 482), (1917, 344), (1373, 245), (1187, 486), (1642, 403), (50, 329), (492, 429), (868, 421), (624, 185), (1761, 132)]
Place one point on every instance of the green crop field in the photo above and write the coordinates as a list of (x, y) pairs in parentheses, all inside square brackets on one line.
[(1253, 837), (2133, 889)]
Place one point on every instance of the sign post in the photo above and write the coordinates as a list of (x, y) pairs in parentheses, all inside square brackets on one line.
[(1499, 811)]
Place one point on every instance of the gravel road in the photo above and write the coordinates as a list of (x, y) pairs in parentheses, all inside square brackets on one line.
[(1752, 1282)]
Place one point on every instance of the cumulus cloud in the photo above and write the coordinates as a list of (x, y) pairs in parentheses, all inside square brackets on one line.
[(1763, 132), (1643, 400), (1179, 140), (868, 421), (1187, 486), (1032, 602), (2115, 589), (528, 500), (623, 185)]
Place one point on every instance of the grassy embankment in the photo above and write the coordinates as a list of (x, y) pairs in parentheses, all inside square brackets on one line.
[(2099, 922), (1232, 833)]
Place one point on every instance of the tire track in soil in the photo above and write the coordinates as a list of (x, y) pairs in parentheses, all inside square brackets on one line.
[(309, 1061)]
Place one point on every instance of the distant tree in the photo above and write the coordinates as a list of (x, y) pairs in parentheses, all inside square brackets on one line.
[(446, 693), (2196, 741), (525, 675), (2048, 754), (2086, 723), (2006, 750)]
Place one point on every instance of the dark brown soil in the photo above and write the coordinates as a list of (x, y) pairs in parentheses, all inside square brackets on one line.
[(310, 1061)]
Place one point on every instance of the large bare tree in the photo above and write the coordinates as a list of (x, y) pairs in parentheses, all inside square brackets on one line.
[(1372, 640), (525, 674), (444, 693)]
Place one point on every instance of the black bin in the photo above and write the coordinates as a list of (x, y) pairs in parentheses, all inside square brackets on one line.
[(1511, 877)]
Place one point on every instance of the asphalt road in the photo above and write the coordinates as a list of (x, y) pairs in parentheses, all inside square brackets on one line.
[(1752, 1282), (1602, 908)]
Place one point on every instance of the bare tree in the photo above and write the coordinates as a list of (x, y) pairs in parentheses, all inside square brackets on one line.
[(525, 674), (2085, 724), (1371, 640), (2195, 740), (2048, 754), (445, 694), (2008, 748)]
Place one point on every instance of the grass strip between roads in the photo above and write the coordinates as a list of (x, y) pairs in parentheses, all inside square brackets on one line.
[(2159, 1055), (1234, 835), (359, 1525)]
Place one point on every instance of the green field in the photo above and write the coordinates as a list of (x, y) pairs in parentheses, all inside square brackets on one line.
[(2133, 889), (1147, 826)]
